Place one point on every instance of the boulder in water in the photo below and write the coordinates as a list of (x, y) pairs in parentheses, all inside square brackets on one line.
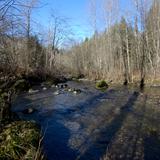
[(53, 86), (77, 91), (57, 86), (65, 85), (33, 91), (70, 89), (29, 111), (44, 88), (56, 93)]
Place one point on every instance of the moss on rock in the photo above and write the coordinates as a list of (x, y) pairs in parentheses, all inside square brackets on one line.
[(101, 85)]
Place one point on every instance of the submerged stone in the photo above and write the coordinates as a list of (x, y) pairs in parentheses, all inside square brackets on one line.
[(44, 88), (33, 91), (77, 91), (29, 111), (56, 93)]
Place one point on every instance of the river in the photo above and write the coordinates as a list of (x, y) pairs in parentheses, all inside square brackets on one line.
[(119, 123)]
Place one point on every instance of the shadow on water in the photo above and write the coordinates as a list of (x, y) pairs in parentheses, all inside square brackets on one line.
[(55, 142), (56, 137), (106, 135), (151, 145), (152, 148), (139, 126), (98, 136), (131, 147), (93, 101)]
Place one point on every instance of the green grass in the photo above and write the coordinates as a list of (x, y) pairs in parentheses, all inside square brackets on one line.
[(19, 140)]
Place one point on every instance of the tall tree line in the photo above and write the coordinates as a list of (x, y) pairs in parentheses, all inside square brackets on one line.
[(23, 51), (126, 51)]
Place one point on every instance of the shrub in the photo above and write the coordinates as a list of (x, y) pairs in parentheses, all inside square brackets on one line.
[(21, 85)]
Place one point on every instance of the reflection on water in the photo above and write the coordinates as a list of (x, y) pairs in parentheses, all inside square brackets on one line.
[(121, 123)]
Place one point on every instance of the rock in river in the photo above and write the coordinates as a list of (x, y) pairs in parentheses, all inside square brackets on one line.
[(77, 91), (56, 93), (33, 91), (29, 111), (44, 88)]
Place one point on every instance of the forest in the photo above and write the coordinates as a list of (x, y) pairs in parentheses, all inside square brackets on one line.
[(125, 52)]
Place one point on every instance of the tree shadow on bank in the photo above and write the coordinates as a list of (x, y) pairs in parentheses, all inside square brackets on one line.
[(152, 144), (98, 148), (132, 146)]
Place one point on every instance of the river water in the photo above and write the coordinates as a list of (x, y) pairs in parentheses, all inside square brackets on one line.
[(119, 123)]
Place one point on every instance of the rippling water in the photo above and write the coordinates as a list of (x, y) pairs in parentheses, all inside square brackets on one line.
[(120, 123)]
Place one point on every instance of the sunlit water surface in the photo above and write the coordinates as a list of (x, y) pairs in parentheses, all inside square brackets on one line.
[(120, 123)]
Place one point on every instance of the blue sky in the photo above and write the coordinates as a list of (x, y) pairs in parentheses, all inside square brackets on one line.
[(77, 13)]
